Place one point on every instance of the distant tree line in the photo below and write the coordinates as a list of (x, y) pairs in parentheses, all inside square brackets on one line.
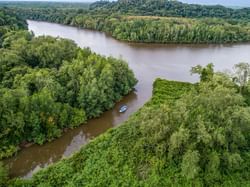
[(134, 26), (166, 30), (44, 4), (169, 8)]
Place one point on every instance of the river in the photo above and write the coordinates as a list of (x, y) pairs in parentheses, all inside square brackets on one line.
[(148, 61)]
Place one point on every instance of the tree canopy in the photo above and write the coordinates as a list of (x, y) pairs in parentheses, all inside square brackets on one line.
[(169, 8), (49, 84), (187, 135), (152, 21), (9, 21)]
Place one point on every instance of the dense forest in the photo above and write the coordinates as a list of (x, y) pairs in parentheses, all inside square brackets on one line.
[(49, 84), (44, 4), (9, 22), (187, 135), (124, 21), (169, 8), (166, 30)]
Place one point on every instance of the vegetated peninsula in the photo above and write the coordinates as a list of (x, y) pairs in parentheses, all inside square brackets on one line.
[(187, 135), (152, 21), (48, 84)]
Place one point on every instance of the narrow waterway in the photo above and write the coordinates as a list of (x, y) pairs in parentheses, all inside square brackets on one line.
[(148, 61)]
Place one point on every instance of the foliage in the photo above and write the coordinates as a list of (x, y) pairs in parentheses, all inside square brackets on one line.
[(205, 73), (165, 30), (3, 175), (242, 73), (45, 4), (200, 137), (166, 92), (240, 76), (187, 135), (146, 21), (9, 21), (49, 84), (169, 8), (163, 8)]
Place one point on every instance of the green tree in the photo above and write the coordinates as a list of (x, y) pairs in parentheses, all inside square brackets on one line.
[(187, 135), (3, 175), (48, 84), (205, 73), (241, 75), (211, 120)]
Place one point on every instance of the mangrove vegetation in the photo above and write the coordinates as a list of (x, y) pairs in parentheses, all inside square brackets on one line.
[(152, 21), (49, 84), (187, 135)]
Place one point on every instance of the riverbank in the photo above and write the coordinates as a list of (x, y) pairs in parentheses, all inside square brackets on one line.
[(54, 86), (165, 22), (161, 30), (93, 155), (172, 62), (138, 153)]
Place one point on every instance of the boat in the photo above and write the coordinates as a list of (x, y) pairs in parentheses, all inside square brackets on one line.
[(123, 108)]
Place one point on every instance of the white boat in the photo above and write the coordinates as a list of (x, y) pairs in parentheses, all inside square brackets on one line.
[(123, 109)]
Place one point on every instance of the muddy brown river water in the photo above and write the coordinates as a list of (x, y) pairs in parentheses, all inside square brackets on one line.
[(148, 61)]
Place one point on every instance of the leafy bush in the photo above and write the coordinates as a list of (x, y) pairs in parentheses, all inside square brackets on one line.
[(197, 137), (3, 174)]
